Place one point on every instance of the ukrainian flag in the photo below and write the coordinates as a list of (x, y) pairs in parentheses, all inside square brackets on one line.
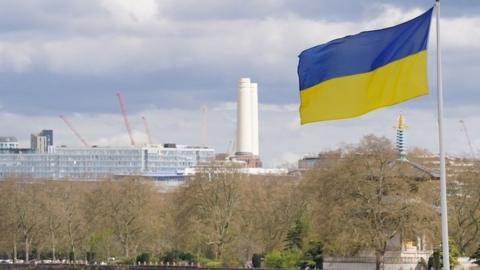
[(351, 76)]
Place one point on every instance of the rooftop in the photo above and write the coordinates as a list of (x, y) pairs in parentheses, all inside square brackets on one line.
[(8, 139)]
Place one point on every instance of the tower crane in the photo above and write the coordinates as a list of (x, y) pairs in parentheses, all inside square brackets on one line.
[(74, 130), (465, 131), (147, 130), (125, 118), (231, 147)]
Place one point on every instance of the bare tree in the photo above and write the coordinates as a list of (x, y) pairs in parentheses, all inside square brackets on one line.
[(270, 205), (27, 212), (125, 206), (365, 200), (9, 222), (51, 204), (72, 216), (209, 202), (464, 204)]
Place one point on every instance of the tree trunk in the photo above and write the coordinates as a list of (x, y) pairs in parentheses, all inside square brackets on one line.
[(53, 246), (38, 253), (220, 250), (72, 252), (216, 248), (379, 260), (125, 247), (26, 250), (74, 256), (72, 242), (14, 248)]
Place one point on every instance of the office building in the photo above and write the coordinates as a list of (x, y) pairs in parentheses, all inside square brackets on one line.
[(8, 143), (160, 162)]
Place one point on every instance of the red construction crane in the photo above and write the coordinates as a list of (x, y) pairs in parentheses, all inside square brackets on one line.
[(147, 130), (74, 130), (124, 113)]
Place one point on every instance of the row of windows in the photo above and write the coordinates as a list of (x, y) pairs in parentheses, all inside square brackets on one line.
[(78, 163), (8, 145)]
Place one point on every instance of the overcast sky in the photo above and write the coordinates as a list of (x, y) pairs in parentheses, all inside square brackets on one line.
[(171, 57)]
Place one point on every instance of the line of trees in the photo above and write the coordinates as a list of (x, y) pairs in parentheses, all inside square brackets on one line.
[(63, 219), (219, 216), (359, 200)]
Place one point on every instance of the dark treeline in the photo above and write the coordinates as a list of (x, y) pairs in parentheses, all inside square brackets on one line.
[(360, 199)]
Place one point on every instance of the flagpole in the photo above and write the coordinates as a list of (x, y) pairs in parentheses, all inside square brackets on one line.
[(443, 177)]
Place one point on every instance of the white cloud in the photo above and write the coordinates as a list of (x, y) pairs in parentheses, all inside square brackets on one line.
[(132, 12), (136, 36), (461, 33), (278, 108), (390, 16), (17, 57)]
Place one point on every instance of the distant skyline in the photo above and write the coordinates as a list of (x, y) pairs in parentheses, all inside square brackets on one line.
[(169, 58)]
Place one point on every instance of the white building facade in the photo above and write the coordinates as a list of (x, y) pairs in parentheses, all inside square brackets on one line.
[(161, 162), (8, 143)]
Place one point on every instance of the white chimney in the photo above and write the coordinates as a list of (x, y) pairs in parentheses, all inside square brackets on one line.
[(254, 115), (244, 117)]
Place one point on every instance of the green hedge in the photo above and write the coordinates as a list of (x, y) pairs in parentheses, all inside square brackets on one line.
[(283, 259)]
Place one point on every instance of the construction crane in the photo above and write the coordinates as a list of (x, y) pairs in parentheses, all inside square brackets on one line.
[(124, 113), (465, 131), (74, 130), (231, 147), (147, 130)]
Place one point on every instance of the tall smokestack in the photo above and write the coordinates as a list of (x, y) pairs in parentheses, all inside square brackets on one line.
[(254, 115), (244, 118)]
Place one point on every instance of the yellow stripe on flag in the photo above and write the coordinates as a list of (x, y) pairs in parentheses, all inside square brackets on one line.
[(354, 95)]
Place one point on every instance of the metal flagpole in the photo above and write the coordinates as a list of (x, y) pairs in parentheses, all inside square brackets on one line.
[(443, 178)]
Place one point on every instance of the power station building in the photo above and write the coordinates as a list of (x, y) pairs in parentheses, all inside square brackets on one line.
[(247, 139)]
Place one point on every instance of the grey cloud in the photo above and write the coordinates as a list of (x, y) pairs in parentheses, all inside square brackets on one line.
[(62, 57)]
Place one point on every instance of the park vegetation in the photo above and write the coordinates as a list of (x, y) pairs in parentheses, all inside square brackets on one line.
[(358, 200)]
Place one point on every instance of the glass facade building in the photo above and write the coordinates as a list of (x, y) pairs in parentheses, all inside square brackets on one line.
[(161, 162), (48, 133)]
